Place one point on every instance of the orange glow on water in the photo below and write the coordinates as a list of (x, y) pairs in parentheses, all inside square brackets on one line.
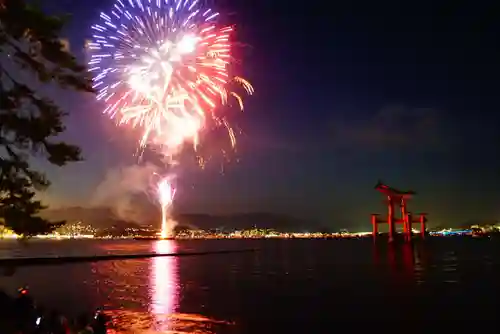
[(164, 299)]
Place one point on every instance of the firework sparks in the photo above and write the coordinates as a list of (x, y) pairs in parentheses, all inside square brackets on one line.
[(162, 65), (166, 195)]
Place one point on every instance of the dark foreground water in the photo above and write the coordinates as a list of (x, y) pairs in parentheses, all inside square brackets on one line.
[(289, 286)]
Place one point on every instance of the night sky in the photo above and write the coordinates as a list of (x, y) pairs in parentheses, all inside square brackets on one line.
[(345, 94)]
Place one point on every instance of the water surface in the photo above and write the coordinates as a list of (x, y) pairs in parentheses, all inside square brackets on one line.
[(289, 286)]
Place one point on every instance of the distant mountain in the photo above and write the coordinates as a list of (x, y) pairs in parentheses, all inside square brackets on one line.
[(103, 217), (243, 221), (480, 222), (95, 216)]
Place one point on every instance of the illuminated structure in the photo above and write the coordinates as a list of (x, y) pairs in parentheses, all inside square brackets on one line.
[(396, 197)]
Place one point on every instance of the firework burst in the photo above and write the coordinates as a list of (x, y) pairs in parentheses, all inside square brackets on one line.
[(162, 65)]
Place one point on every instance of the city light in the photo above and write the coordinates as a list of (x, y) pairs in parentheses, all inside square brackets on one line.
[(81, 230)]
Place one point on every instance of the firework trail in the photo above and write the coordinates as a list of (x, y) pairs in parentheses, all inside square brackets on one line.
[(166, 194), (162, 65)]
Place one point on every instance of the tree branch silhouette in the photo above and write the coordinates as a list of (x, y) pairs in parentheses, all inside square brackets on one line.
[(29, 122)]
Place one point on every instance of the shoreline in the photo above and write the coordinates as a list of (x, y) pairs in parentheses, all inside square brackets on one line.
[(56, 260)]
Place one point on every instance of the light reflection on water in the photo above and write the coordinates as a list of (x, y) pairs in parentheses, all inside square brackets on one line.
[(165, 289), (161, 314), (129, 322), (289, 284)]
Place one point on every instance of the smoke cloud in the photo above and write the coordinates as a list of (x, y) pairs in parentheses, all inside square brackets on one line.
[(129, 193)]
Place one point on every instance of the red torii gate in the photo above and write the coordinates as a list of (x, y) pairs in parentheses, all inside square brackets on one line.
[(397, 197)]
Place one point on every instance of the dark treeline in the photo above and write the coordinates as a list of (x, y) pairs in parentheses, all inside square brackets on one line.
[(31, 54)]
